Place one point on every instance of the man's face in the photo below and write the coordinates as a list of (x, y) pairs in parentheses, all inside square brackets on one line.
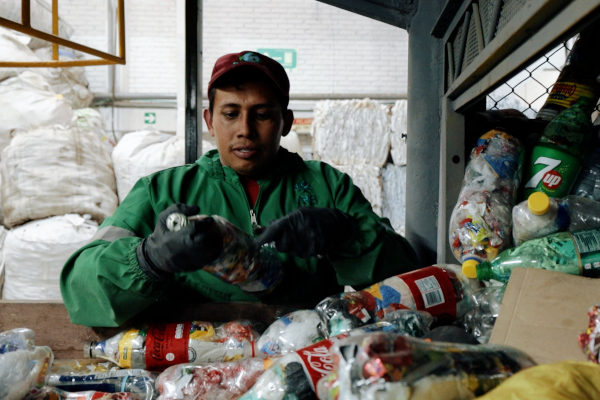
[(248, 124)]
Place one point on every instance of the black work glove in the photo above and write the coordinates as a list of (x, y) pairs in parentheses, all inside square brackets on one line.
[(308, 232), (192, 247)]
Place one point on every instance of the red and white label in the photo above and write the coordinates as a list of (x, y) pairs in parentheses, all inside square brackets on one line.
[(316, 359), (432, 291), (166, 345), (552, 179)]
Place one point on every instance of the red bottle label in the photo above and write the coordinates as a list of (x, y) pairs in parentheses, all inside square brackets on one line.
[(316, 359), (432, 291), (166, 345)]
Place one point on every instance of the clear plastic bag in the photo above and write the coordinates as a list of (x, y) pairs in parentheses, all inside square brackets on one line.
[(24, 367)]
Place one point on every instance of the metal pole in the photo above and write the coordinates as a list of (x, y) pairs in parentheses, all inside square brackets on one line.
[(193, 80)]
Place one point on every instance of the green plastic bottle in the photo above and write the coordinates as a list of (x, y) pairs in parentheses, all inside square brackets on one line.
[(575, 253), (557, 156)]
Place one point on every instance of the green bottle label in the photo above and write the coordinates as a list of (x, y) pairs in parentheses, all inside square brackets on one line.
[(588, 247), (551, 171)]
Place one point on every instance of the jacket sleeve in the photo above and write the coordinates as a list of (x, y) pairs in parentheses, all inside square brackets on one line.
[(377, 252), (101, 283)]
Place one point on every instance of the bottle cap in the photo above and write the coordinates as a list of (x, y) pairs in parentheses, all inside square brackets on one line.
[(538, 203), (87, 350), (469, 268)]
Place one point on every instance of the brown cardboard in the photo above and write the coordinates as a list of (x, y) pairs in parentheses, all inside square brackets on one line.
[(543, 312)]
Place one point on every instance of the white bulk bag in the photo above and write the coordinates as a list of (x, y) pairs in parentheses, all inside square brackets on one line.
[(399, 128), (27, 102), (142, 153), (291, 142), (71, 82), (35, 253), (90, 120), (12, 49), (346, 132), (368, 180), (394, 195), (56, 170)]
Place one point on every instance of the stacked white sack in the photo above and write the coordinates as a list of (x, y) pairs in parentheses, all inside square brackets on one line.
[(56, 170), (368, 180), (3, 232), (291, 142), (28, 102), (394, 195), (35, 252), (90, 120), (142, 153), (40, 14), (399, 127), (71, 82), (349, 132), (12, 49)]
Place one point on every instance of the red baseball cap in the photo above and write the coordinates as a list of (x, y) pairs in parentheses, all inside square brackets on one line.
[(251, 59)]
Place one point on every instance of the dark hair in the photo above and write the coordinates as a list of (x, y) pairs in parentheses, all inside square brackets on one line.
[(238, 78)]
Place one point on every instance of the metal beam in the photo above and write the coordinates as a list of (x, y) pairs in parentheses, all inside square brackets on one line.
[(193, 80), (393, 12)]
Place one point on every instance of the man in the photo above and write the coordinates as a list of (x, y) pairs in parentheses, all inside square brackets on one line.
[(324, 230)]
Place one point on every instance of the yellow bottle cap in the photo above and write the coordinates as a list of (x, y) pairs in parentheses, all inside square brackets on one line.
[(538, 203), (469, 268)]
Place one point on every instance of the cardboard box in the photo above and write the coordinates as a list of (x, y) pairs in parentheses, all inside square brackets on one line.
[(543, 312)]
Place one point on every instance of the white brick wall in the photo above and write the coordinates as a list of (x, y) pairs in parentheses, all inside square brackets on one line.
[(337, 51)]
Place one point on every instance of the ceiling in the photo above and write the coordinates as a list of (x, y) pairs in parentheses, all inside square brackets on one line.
[(393, 12)]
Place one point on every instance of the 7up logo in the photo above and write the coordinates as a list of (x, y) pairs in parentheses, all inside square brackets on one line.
[(550, 178)]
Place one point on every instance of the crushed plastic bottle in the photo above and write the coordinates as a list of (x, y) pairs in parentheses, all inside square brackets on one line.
[(291, 332), (480, 320), (480, 224), (211, 381), (575, 253), (541, 215), (296, 375), (392, 366), (155, 347), (256, 272), (52, 393), (136, 381), (441, 290), (24, 367)]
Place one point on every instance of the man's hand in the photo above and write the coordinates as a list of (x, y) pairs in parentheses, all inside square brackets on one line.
[(192, 247), (308, 232)]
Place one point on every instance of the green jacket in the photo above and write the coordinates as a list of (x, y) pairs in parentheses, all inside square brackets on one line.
[(102, 284)]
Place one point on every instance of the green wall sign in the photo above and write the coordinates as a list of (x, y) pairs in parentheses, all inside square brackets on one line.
[(285, 57)]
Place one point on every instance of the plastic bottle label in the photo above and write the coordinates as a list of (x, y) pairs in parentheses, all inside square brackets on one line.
[(126, 346), (587, 244), (166, 345), (553, 172), (432, 291), (316, 360), (565, 94)]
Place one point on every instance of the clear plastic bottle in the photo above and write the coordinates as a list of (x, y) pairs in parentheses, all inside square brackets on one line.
[(441, 290), (541, 215), (588, 181), (575, 253), (137, 381), (257, 272), (557, 156), (480, 224), (157, 346)]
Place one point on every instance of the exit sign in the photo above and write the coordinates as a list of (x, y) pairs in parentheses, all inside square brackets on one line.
[(285, 57)]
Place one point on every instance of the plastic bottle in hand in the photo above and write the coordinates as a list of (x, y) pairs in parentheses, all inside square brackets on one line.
[(254, 272), (557, 156), (480, 224), (575, 253), (541, 215), (157, 346)]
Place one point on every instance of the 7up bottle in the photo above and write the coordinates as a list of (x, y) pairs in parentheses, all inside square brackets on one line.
[(556, 158)]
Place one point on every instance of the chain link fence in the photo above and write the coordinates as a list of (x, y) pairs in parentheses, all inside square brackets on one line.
[(527, 91)]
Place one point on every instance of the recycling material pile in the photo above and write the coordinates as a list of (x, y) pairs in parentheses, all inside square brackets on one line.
[(367, 140), (355, 345)]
